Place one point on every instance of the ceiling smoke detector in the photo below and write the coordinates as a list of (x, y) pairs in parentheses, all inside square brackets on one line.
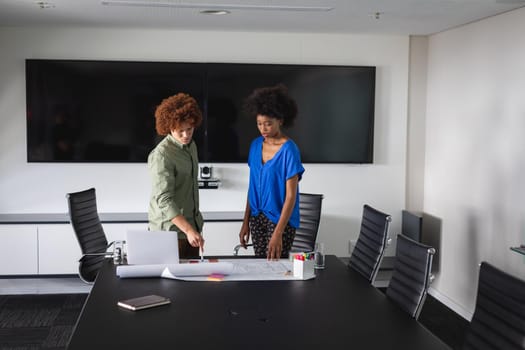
[(376, 15)]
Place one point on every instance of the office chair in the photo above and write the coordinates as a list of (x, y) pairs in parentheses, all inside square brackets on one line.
[(371, 243), (499, 317), (310, 216), (411, 276), (84, 218)]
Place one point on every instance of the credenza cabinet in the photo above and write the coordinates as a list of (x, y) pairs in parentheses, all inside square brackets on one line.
[(40, 247), (18, 250)]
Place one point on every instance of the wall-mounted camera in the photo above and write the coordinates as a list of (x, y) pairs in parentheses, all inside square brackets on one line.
[(206, 178), (206, 172)]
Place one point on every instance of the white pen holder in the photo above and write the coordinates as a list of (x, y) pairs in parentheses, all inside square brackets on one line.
[(303, 269)]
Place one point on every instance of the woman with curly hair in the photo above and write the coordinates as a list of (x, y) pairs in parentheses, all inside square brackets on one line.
[(173, 164), (272, 209)]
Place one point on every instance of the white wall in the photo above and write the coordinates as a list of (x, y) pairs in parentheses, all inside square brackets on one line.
[(417, 98), (475, 163), (41, 187)]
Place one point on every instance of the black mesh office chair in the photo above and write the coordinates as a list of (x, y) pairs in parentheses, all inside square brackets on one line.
[(310, 215), (371, 243), (499, 317), (84, 218), (411, 276)]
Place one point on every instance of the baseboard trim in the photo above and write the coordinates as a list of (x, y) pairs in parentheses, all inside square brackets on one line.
[(451, 304)]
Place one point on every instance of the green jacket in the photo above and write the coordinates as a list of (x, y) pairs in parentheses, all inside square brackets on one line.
[(175, 190)]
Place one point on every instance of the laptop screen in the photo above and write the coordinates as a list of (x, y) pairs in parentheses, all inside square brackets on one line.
[(152, 247)]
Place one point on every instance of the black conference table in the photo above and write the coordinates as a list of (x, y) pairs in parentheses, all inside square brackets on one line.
[(337, 308)]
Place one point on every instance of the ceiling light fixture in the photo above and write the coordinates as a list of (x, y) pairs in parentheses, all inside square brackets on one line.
[(214, 12), (218, 7)]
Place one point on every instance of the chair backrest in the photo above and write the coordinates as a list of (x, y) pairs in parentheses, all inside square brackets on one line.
[(86, 224), (371, 243), (310, 212), (411, 276), (499, 317)]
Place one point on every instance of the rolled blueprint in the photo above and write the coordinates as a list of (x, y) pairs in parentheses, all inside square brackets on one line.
[(132, 271), (174, 270)]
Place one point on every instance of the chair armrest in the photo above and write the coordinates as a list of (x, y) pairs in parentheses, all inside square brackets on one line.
[(237, 247), (431, 276), (107, 254), (104, 254), (118, 253)]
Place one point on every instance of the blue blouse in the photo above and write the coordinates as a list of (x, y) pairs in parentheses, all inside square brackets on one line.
[(267, 189)]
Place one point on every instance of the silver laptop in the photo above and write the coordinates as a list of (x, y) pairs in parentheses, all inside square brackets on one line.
[(152, 247)]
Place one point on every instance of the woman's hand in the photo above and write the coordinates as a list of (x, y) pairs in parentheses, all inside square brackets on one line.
[(275, 246)]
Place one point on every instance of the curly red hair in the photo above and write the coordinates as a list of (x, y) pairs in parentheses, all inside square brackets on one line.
[(175, 110)]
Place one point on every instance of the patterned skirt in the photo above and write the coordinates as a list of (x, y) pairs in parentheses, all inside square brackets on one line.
[(261, 229)]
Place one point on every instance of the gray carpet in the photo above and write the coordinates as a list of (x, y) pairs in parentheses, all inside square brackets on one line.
[(43, 321)]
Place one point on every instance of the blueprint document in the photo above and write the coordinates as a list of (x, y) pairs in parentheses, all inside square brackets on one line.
[(227, 269), (255, 270)]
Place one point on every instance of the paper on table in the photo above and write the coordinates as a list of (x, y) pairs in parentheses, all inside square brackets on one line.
[(174, 270), (201, 269), (233, 270), (257, 270), (261, 267)]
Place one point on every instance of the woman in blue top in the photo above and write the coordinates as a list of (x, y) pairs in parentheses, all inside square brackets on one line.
[(272, 208)]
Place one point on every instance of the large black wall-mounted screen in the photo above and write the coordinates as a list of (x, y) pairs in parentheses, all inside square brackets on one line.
[(103, 111)]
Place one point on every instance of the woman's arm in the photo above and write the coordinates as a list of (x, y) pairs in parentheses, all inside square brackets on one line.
[(244, 234), (275, 246)]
